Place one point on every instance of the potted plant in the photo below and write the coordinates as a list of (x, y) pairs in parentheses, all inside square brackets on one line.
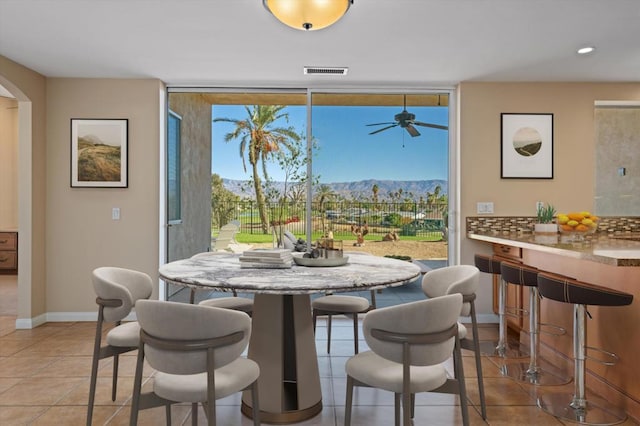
[(545, 223)]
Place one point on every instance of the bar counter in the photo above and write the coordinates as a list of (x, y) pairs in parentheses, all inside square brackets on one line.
[(619, 250), (604, 260)]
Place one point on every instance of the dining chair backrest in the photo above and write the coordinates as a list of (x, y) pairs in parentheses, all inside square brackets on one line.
[(421, 317), (119, 284), (182, 323), (463, 279)]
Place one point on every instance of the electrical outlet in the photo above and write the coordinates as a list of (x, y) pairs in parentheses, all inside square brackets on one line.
[(115, 213)]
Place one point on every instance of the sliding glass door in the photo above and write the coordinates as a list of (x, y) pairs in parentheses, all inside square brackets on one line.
[(368, 169)]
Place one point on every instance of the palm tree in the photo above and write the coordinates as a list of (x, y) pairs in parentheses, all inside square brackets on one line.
[(260, 137), (375, 189), (324, 193)]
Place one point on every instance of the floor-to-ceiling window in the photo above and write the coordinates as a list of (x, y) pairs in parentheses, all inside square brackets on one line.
[(370, 169)]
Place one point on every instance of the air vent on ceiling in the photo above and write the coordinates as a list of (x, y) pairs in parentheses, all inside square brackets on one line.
[(326, 70)]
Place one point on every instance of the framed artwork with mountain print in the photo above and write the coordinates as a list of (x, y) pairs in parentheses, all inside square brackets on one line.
[(526, 146), (99, 153)]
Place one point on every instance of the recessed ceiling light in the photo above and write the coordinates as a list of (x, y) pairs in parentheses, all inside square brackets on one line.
[(586, 50)]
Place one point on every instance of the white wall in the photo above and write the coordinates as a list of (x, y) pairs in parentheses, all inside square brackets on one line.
[(80, 233)]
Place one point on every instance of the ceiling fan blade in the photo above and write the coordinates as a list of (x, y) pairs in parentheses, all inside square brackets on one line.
[(384, 128), (412, 130), (433, 126), (379, 124)]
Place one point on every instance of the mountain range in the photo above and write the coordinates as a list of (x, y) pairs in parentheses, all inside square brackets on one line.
[(355, 190)]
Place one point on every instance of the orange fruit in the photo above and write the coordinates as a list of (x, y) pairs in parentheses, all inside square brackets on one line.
[(582, 228), (576, 216), (566, 227)]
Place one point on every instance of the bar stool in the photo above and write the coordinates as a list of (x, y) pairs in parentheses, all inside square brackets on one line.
[(503, 347), (530, 372), (576, 407)]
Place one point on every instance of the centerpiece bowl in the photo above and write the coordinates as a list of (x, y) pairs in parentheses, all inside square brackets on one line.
[(577, 224)]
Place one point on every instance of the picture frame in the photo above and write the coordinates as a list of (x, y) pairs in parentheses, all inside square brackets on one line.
[(99, 153), (526, 146)]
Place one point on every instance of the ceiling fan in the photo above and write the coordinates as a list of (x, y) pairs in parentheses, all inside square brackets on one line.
[(406, 120)]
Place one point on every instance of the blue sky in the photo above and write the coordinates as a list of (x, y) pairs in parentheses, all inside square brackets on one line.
[(346, 151)]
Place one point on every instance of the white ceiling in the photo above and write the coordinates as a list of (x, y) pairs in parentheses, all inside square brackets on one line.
[(385, 43)]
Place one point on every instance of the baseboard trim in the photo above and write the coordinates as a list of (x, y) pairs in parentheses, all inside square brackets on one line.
[(29, 323)]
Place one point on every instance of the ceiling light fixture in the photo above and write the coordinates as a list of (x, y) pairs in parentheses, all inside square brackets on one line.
[(586, 50), (308, 14)]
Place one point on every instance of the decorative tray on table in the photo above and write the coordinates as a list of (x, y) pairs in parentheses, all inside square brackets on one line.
[(326, 252), (331, 261)]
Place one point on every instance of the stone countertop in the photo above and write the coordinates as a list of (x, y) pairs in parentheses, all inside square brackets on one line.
[(222, 272), (621, 250)]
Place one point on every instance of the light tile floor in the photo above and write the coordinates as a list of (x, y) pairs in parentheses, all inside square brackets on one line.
[(44, 380)]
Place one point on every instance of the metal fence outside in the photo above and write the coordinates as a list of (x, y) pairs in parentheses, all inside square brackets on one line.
[(405, 219)]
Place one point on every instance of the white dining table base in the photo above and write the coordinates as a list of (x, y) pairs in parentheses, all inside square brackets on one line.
[(283, 344)]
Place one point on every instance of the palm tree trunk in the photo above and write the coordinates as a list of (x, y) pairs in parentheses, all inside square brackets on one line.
[(262, 208)]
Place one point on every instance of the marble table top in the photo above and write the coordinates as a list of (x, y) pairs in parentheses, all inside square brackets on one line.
[(222, 272)]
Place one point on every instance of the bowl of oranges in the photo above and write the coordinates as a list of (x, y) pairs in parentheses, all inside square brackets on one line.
[(577, 223)]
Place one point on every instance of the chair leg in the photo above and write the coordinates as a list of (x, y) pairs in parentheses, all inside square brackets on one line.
[(459, 373), (114, 380), (349, 402), (329, 334), (413, 405), (476, 350), (255, 403), (94, 368), (314, 317), (137, 385), (355, 332), (396, 409), (406, 409), (194, 414)]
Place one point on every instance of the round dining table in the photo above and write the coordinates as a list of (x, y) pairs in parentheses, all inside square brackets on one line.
[(282, 339)]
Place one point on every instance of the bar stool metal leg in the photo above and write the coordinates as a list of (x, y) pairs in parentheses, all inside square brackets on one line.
[(503, 347), (576, 408), (532, 372)]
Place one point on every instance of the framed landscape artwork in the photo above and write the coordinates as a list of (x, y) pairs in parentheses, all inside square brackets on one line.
[(526, 146), (99, 156)]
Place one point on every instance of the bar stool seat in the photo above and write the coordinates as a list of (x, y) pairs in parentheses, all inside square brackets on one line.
[(503, 347), (531, 372), (576, 407)]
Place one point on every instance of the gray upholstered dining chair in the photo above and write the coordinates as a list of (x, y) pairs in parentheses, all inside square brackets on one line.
[(462, 279), (350, 306), (117, 291), (409, 343), (196, 352)]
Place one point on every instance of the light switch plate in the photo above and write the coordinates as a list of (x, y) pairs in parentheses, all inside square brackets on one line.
[(485, 207), (115, 213)]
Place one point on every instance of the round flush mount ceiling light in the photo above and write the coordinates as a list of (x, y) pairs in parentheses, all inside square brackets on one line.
[(586, 50), (308, 14)]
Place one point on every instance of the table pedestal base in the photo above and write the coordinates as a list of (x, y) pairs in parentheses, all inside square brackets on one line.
[(283, 344)]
